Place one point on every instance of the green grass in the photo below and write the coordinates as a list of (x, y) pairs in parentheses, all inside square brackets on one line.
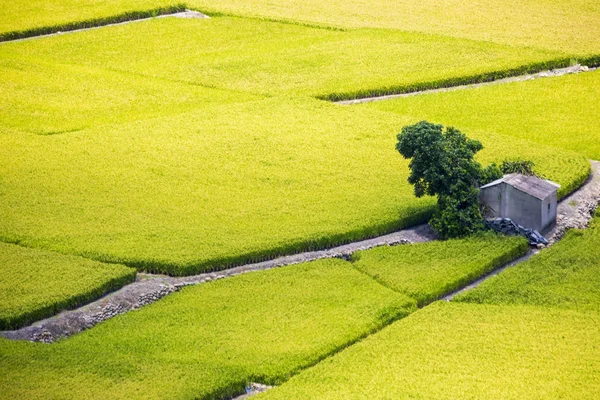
[(19, 19), (560, 112), (209, 341), (46, 98), (271, 58), (427, 271), (466, 351), (36, 284), (223, 185), (572, 26), (566, 275), (152, 166)]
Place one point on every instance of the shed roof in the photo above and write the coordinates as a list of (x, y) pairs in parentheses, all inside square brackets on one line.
[(532, 185)]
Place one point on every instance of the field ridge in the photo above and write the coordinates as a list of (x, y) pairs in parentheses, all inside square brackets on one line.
[(91, 23), (486, 77)]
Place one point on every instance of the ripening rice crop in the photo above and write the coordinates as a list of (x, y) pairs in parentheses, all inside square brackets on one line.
[(35, 284)]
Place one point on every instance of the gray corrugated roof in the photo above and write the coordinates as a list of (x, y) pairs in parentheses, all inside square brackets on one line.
[(532, 185), (496, 182)]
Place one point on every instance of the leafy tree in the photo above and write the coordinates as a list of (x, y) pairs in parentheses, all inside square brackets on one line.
[(519, 166), (442, 164)]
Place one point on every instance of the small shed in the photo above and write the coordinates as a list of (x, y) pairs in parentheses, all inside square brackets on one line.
[(527, 200)]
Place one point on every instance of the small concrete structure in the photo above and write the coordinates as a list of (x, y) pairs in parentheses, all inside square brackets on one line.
[(527, 200)]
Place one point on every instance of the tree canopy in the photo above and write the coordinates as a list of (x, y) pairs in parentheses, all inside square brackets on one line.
[(442, 164)]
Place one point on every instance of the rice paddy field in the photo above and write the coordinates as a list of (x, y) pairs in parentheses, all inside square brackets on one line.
[(556, 112), (563, 277), (269, 58), (530, 332), (270, 325), (571, 26), (221, 195), (185, 145), (449, 351), (450, 265), (35, 284)]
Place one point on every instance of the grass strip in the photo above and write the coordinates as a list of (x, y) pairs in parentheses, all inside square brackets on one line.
[(36, 284), (427, 271), (90, 23), (456, 350), (209, 341), (567, 275)]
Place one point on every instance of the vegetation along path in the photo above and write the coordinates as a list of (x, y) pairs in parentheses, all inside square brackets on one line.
[(175, 11), (575, 69), (150, 288), (575, 211)]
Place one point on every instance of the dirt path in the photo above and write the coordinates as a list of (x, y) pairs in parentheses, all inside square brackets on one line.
[(575, 211), (149, 288), (544, 74)]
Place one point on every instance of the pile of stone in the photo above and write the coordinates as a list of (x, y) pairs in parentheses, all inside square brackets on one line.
[(508, 227)]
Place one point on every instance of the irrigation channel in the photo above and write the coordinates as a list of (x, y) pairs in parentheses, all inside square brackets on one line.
[(574, 211)]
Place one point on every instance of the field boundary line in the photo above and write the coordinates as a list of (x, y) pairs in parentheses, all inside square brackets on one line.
[(149, 288), (493, 78), (178, 10)]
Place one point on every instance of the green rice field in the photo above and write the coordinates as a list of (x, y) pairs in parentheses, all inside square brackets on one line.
[(49, 99), (219, 195), (564, 276), (450, 264), (180, 146), (133, 118), (571, 26), (31, 18), (35, 284), (560, 112), (530, 332), (261, 57), (551, 24), (457, 350), (176, 348), (270, 325)]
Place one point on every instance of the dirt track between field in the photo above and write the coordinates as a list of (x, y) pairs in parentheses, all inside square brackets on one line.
[(149, 288)]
